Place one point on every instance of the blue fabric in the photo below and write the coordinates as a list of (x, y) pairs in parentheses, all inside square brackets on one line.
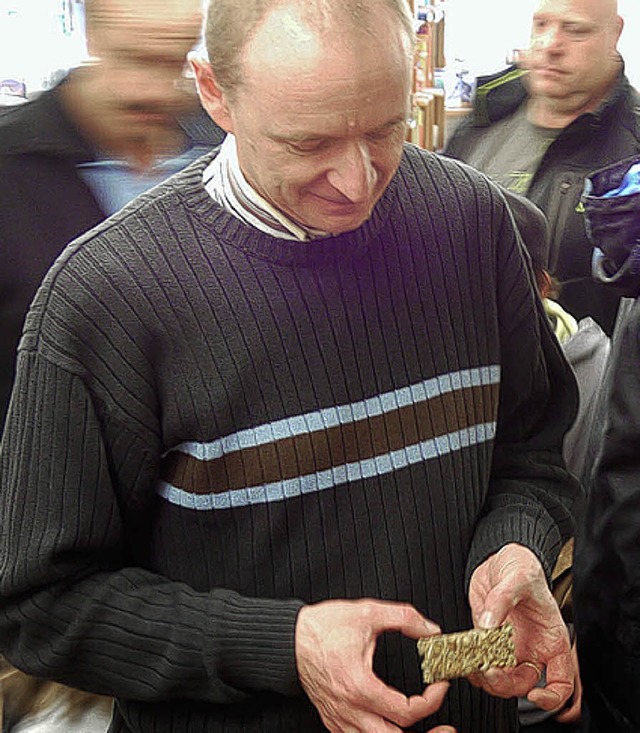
[(611, 201), (630, 183), (114, 183)]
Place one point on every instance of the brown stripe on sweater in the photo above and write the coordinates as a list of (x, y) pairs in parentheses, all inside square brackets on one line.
[(320, 450)]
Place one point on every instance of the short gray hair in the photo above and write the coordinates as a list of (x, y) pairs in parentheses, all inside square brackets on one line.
[(231, 24)]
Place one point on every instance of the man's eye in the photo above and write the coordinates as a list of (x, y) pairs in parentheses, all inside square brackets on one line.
[(576, 30), (305, 147), (380, 135)]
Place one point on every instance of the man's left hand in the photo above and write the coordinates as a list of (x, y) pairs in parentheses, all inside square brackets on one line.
[(510, 586)]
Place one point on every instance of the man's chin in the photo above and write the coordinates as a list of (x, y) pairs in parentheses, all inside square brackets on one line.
[(335, 226), (153, 144), (340, 219)]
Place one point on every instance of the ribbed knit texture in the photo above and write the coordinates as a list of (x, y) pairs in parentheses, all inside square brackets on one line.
[(211, 426)]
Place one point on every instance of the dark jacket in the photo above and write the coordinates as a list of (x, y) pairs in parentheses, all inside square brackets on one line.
[(590, 142), (44, 204), (613, 224), (607, 560)]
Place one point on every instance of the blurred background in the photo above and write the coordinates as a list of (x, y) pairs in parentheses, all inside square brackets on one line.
[(40, 39)]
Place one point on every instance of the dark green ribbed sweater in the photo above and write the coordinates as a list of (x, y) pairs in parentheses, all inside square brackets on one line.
[(210, 427)]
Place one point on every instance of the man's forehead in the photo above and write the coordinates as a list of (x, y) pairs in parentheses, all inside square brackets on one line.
[(169, 20), (598, 10), (288, 36), (297, 128)]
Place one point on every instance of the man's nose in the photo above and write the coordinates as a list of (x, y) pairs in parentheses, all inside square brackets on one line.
[(551, 39), (159, 89), (353, 173)]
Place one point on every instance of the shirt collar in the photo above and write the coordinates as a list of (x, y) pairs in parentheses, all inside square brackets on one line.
[(224, 181)]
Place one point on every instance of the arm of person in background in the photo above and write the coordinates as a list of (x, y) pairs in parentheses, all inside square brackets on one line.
[(607, 558), (606, 578), (530, 506)]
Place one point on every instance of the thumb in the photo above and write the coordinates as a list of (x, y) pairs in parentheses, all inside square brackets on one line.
[(405, 619), (497, 605)]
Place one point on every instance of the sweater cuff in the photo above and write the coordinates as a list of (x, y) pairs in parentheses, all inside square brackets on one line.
[(254, 643), (519, 524)]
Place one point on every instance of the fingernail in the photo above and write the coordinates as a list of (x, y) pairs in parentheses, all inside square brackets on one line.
[(432, 627), (487, 621), (491, 676)]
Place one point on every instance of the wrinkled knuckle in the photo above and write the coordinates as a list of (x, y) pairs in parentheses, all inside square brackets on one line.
[(407, 612), (366, 612), (351, 691), (405, 718)]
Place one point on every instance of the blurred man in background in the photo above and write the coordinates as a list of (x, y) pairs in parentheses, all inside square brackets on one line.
[(540, 129), (76, 153)]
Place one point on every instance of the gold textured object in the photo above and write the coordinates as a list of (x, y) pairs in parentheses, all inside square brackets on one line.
[(447, 656)]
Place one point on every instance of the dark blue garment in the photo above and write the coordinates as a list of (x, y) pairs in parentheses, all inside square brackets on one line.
[(612, 216), (607, 559), (630, 183), (114, 183)]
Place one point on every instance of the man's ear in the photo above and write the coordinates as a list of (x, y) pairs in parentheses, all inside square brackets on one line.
[(212, 98), (619, 27)]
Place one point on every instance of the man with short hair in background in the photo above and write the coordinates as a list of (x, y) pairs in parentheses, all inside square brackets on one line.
[(290, 411), (77, 153), (540, 128), (71, 156)]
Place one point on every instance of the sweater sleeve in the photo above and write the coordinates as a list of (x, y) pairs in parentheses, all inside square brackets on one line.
[(74, 604), (532, 499), (607, 569)]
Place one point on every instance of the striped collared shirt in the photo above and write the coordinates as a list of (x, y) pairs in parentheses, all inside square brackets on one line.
[(226, 184)]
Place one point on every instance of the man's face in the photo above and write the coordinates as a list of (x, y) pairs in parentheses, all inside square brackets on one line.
[(320, 124), (141, 50), (572, 56)]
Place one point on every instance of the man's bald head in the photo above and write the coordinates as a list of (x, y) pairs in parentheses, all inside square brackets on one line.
[(144, 21), (231, 24), (603, 11), (128, 99), (573, 58)]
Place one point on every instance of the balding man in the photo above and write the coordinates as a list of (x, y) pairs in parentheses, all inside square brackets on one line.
[(290, 411), (542, 128), (77, 153)]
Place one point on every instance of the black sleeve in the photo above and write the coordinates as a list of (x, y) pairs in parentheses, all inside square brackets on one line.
[(607, 560), (75, 604), (532, 500)]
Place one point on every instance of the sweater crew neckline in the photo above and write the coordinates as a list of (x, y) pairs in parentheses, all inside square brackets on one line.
[(232, 231)]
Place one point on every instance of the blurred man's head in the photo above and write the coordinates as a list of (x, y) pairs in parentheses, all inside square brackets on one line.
[(572, 60), (130, 94), (317, 94)]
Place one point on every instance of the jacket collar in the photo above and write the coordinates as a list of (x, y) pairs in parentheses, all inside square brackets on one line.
[(499, 95), (42, 127)]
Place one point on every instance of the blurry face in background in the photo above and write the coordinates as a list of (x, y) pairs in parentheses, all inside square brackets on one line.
[(572, 57), (320, 120), (139, 50)]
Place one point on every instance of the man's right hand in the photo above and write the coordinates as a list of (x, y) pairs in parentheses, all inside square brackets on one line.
[(335, 644)]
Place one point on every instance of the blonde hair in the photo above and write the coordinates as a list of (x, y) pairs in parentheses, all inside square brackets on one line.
[(230, 25)]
